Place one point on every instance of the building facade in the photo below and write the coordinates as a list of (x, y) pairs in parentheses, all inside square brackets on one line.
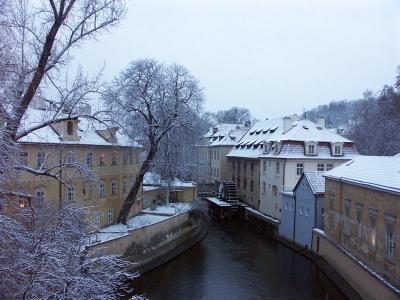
[(213, 166), (281, 150), (303, 209), (97, 166), (362, 211)]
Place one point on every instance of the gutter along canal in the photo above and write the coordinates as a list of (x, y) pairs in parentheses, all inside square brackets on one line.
[(236, 261)]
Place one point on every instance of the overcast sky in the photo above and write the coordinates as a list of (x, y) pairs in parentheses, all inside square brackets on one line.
[(274, 57)]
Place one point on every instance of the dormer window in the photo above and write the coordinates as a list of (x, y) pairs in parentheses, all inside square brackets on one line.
[(311, 148), (70, 128), (337, 149)]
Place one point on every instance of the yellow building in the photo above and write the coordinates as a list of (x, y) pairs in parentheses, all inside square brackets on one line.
[(362, 211), (99, 165)]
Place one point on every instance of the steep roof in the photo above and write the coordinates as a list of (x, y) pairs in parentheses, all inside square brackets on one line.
[(376, 172), (87, 132), (316, 181), (252, 143), (225, 135)]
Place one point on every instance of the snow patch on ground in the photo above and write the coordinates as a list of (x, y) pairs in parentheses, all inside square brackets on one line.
[(148, 216)]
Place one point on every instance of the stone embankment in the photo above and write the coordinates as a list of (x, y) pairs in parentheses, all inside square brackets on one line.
[(152, 245)]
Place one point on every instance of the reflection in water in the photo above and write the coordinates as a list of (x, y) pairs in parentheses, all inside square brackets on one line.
[(235, 261)]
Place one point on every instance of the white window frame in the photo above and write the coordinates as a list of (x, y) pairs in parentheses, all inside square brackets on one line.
[(277, 168), (110, 215), (124, 185), (113, 188), (89, 159), (97, 220), (40, 197), (321, 167), (299, 169), (70, 193), (329, 167), (102, 190), (24, 158), (40, 158)]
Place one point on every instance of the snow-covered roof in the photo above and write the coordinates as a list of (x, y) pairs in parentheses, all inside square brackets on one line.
[(251, 145), (316, 181), (377, 172), (224, 134), (87, 131)]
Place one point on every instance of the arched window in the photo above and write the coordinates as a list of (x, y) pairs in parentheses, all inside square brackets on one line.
[(70, 128)]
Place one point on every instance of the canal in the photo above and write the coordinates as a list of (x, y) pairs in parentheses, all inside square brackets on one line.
[(236, 261)]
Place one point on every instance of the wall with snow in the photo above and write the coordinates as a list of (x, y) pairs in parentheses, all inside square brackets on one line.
[(368, 285)]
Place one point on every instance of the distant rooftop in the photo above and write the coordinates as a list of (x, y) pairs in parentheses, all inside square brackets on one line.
[(378, 172)]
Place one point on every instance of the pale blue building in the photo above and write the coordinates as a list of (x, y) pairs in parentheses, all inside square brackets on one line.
[(303, 209)]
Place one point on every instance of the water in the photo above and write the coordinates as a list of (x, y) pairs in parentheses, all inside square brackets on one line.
[(235, 261)]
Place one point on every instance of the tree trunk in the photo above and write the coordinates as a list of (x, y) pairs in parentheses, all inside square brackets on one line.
[(131, 198)]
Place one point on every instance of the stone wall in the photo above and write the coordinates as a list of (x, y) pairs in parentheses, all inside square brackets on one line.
[(365, 283), (148, 244)]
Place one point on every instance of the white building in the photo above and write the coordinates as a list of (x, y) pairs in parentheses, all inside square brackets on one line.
[(284, 149)]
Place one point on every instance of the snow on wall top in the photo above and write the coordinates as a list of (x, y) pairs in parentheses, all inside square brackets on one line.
[(316, 181), (251, 145), (87, 131), (380, 172)]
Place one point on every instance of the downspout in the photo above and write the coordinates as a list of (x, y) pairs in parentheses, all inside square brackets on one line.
[(294, 216), (341, 203), (315, 220)]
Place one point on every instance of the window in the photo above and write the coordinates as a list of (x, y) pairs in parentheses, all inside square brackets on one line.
[(337, 150), (321, 167), (71, 157), (252, 168), (124, 187), (301, 211), (307, 212), (217, 154), (39, 199), (102, 160), (40, 158), (264, 166), (311, 149), (238, 182), (300, 169), (89, 159), (130, 158), (390, 236), (113, 188), (245, 167), (70, 128), (71, 193), (125, 159), (329, 167), (101, 190), (110, 215), (244, 183), (23, 158), (264, 187), (347, 205), (274, 191), (251, 185), (359, 220), (277, 168), (286, 206), (114, 158), (97, 219), (290, 207), (372, 226)]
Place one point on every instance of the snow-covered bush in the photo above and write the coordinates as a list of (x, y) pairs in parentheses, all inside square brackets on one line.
[(43, 256)]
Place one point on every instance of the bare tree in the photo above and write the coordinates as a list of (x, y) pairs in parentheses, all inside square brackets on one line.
[(151, 100), (233, 115), (43, 256)]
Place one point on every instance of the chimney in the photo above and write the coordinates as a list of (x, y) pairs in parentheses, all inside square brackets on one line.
[(287, 124), (247, 124), (321, 123), (215, 130)]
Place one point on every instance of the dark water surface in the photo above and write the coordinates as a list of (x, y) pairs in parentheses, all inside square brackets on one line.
[(235, 261)]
